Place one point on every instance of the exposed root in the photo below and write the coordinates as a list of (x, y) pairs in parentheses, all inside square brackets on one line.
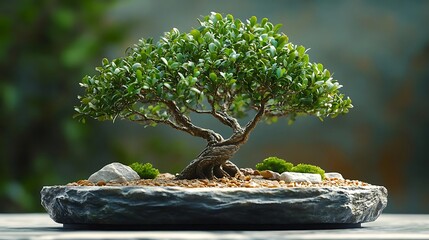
[(212, 163)]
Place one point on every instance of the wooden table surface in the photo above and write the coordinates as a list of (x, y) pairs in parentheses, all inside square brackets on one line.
[(387, 226)]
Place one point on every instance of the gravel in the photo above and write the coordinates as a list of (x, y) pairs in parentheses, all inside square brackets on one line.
[(249, 181)]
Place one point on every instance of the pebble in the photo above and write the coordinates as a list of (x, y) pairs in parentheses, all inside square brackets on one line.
[(301, 177), (114, 172), (249, 171), (334, 175), (165, 176), (101, 183), (268, 174), (249, 184)]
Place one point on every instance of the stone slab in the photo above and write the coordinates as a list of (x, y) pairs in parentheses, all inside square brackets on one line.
[(136, 205)]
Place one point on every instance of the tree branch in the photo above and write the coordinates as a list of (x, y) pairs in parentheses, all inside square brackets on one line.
[(241, 138), (225, 118), (199, 111), (144, 118), (181, 122), (181, 119), (252, 124), (228, 120)]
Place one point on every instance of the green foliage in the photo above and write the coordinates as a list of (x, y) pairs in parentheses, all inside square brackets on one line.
[(279, 165), (274, 164), (308, 168), (145, 171), (222, 65)]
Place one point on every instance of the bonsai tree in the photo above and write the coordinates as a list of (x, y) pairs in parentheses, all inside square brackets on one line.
[(225, 68)]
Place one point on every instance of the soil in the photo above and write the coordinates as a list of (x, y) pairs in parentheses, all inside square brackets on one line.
[(249, 181)]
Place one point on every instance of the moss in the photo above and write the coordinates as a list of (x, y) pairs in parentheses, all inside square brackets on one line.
[(308, 168), (145, 171), (274, 164), (279, 165)]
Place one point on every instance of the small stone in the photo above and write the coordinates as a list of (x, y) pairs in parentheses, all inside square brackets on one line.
[(249, 184), (101, 183), (334, 175), (84, 183), (114, 172), (165, 176), (247, 171), (267, 174), (301, 177)]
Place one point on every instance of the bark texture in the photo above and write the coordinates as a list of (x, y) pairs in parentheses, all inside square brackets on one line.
[(213, 162)]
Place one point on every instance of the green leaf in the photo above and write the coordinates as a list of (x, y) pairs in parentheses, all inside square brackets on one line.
[(301, 51), (272, 51), (164, 61), (139, 75), (195, 33), (175, 65), (223, 75), (212, 47), (327, 73), (86, 100), (105, 62), (167, 85), (181, 75), (306, 58), (279, 72), (264, 21), (238, 23), (213, 76), (253, 21), (304, 82), (218, 16), (248, 37), (292, 57), (136, 66), (282, 41), (277, 27), (131, 89), (195, 90)]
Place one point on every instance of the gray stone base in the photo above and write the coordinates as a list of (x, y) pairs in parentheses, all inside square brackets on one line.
[(77, 206), (183, 227)]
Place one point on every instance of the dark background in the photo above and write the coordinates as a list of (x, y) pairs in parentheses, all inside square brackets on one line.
[(379, 51)]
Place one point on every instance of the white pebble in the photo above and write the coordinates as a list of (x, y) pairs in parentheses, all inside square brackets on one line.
[(334, 175), (301, 177)]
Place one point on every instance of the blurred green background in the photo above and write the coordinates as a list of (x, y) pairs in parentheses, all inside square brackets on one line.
[(379, 51)]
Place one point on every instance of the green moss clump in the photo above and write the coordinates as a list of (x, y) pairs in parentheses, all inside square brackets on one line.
[(145, 171), (279, 165), (274, 164), (308, 168)]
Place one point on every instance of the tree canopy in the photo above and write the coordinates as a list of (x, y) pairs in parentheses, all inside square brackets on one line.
[(224, 67)]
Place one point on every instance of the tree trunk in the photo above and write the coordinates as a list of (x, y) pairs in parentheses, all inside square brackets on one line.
[(213, 162)]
